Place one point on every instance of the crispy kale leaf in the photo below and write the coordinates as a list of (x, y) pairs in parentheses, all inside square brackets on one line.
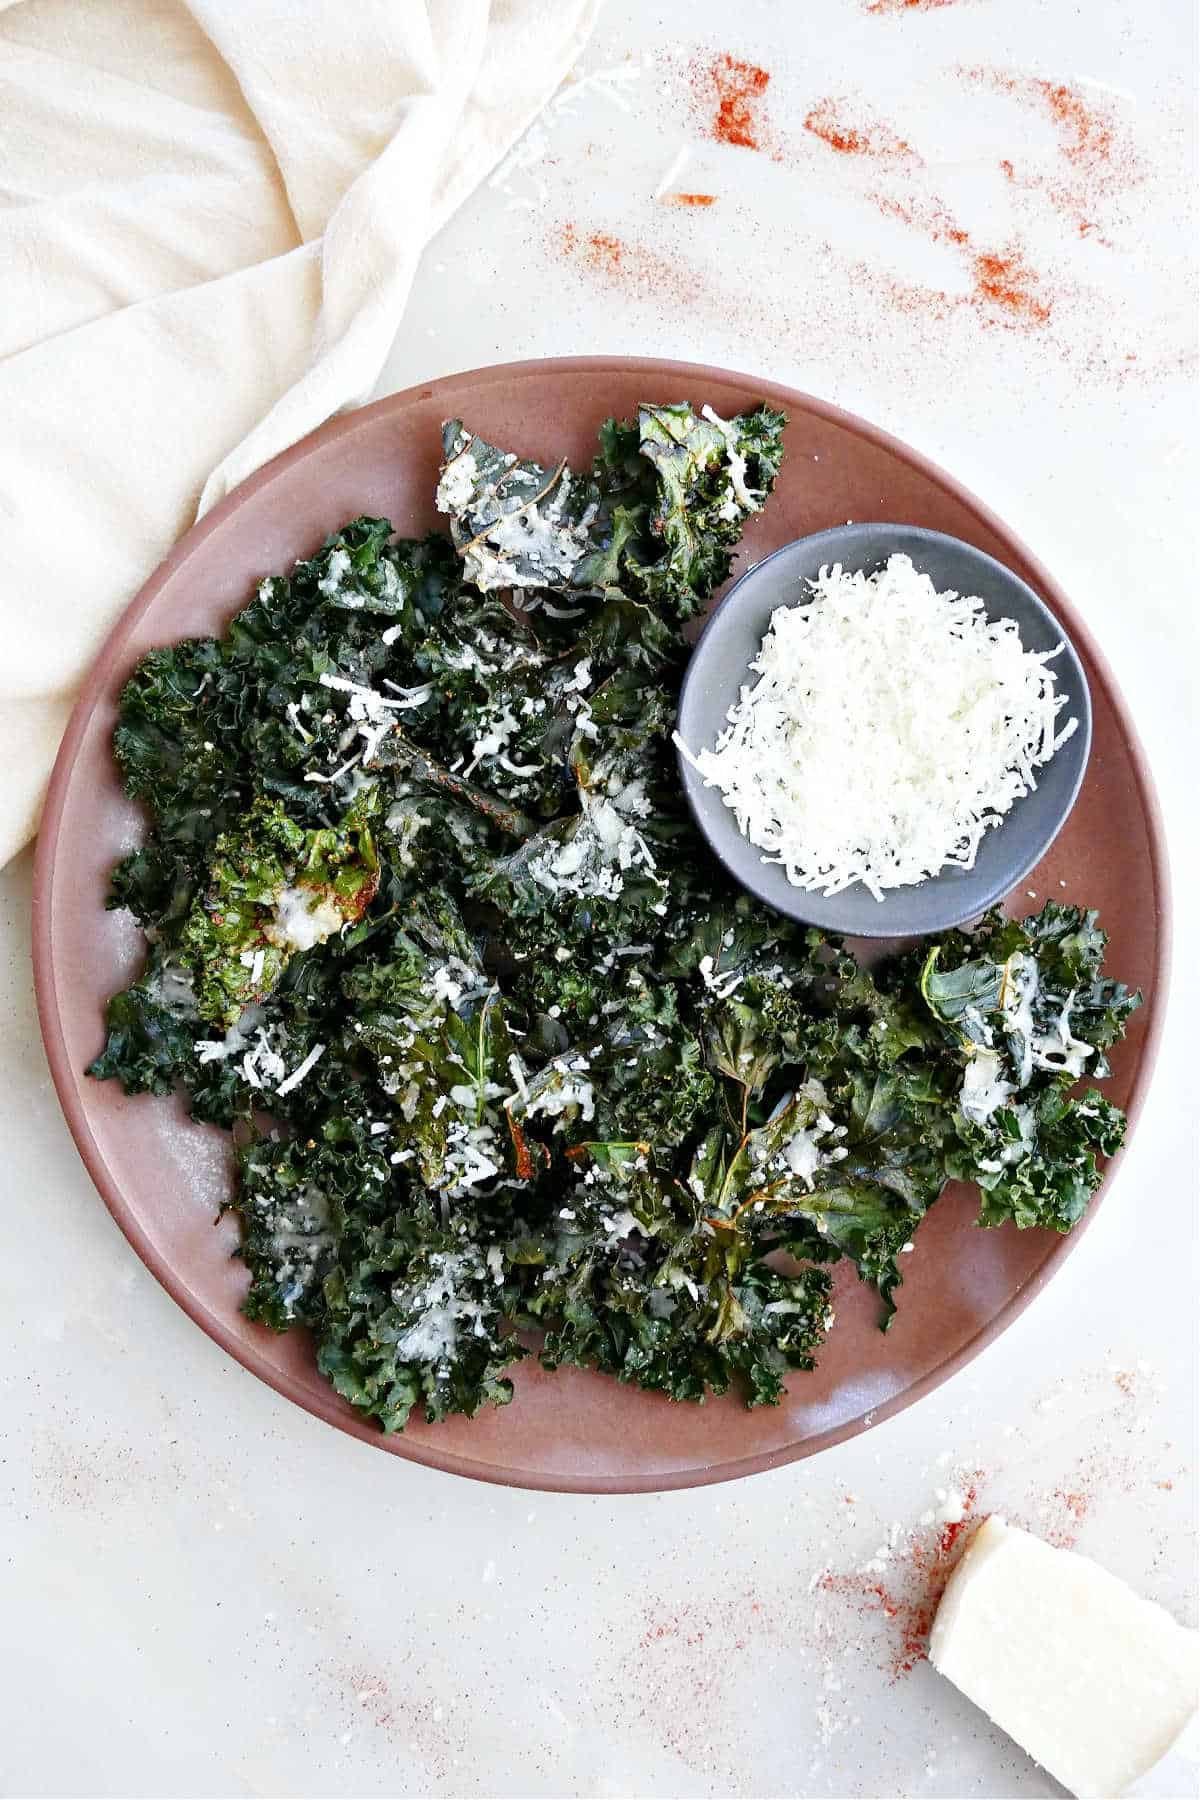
[(414, 1324), (636, 1284), (1025, 1012), (419, 883), (150, 1030), (514, 523), (674, 545), (658, 517)]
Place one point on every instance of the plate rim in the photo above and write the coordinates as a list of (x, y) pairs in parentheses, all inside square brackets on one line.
[(95, 686)]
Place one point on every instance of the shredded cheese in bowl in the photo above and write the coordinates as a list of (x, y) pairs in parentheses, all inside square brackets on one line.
[(889, 728)]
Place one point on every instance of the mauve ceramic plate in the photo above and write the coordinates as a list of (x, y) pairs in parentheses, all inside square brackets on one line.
[(720, 668), (163, 1177)]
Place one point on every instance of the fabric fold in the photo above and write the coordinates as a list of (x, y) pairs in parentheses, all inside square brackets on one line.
[(210, 219)]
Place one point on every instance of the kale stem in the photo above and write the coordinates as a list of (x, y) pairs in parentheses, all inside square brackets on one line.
[(397, 750)]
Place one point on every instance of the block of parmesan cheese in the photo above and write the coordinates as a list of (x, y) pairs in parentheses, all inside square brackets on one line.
[(1094, 1682)]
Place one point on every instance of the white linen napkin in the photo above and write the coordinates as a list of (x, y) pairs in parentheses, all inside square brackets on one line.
[(210, 216)]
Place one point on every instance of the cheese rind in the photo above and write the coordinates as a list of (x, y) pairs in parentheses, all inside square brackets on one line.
[(1094, 1682)]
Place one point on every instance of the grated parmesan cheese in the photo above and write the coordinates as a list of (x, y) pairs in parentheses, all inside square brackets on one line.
[(985, 1084), (604, 845), (339, 568), (984, 1088), (722, 985), (301, 1070), (439, 1310), (739, 494), (890, 727), (303, 917)]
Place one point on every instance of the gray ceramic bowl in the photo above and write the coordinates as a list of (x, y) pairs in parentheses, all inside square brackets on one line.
[(720, 666)]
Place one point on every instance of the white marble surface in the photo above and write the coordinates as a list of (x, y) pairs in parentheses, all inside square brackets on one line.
[(203, 1591)]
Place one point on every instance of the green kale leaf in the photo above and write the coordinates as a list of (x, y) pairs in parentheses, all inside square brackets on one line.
[(273, 890), (665, 504)]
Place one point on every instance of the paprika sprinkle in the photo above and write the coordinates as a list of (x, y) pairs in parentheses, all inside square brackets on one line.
[(828, 121), (737, 87), (899, 6)]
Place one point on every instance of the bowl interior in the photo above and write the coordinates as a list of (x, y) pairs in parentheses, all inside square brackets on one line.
[(720, 667)]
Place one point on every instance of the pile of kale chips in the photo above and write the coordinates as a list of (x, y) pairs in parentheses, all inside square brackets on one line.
[(502, 1050)]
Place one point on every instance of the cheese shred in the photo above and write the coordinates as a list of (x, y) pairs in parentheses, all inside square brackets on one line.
[(890, 727)]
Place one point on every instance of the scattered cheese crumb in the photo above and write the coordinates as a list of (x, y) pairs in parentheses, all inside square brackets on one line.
[(297, 1075)]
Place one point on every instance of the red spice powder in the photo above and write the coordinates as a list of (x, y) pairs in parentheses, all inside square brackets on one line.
[(910, 1620), (829, 121), (898, 6), (1002, 282), (637, 270), (952, 1531), (737, 1618), (1085, 133), (601, 250), (1008, 283), (908, 1601), (737, 87), (524, 1160), (1073, 1507), (1099, 160), (1085, 130), (677, 1678), (1004, 291), (1066, 197), (371, 1693), (927, 216), (1002, 294), (688, 199), (680, 1666)]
